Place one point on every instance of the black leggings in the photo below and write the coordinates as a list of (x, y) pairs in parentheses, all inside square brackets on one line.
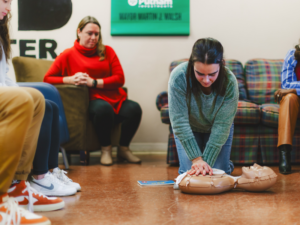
[(104, 118), (46, 155)]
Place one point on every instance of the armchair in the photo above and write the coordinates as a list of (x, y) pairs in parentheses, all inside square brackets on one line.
[(75, 100)]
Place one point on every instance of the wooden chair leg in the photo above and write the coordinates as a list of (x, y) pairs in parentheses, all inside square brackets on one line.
[(84, 158), (65, 158)]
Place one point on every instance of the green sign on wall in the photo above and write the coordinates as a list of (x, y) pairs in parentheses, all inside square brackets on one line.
[(150, 17)]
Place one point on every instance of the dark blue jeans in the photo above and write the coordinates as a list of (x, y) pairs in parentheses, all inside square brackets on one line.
[(46, 156), (223, 160)]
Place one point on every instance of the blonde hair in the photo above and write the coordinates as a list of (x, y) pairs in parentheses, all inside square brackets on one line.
[(100, 47)]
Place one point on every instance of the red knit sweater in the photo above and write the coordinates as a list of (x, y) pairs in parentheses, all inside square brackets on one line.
[(297, 71), (81, 59)]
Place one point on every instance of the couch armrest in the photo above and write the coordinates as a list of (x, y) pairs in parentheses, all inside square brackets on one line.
[(51, 93), (161, 100), (164, 114), (76, 101)]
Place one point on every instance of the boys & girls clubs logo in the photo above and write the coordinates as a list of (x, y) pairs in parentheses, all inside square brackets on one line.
[(151, 3)]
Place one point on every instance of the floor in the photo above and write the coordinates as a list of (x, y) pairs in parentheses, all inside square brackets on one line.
[(111, 195)]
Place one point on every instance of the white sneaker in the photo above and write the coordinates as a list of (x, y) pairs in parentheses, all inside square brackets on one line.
[(61, 175), (12, 214), (51, 186)]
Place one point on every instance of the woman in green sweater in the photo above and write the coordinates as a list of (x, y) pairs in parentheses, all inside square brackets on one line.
[(202, 110)]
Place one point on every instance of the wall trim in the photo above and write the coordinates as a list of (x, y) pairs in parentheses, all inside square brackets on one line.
[(149, 147)]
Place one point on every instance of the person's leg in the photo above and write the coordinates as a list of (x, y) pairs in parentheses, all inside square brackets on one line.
[(40, 162), (20, 187), (288, 114), (30, 144), (184, 162), (17, 109), (130, 116), (102, 116), (54, 137), (46, 156), (223, 160), (16, 112)]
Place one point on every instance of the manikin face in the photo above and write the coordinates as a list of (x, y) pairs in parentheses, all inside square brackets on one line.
[(89, 35), (5, 7), (256, 171), (206, 74)]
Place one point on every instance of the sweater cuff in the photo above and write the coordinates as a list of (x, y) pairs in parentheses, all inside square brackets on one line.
[(191, 148), (211, 154)]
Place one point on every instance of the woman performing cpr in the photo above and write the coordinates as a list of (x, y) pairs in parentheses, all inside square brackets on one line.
[(203, 98)]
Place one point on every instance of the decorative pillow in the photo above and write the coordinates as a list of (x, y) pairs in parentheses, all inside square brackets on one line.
[(263, 79), (161, 99)]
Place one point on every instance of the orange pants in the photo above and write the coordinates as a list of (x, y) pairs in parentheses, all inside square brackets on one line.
[(288, 114), (21, 114)]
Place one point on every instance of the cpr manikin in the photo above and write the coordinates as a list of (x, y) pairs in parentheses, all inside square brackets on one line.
[(253, 178)]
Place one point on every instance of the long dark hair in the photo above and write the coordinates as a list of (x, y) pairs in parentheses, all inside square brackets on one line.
[(297, 53), (100, 47), (207, 51), (4, 36)]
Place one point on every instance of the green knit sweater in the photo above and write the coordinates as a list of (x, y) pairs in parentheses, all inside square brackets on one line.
[(208, 114)]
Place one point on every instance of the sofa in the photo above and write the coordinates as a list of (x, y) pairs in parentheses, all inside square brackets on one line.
[(75, 101), (256, 121)]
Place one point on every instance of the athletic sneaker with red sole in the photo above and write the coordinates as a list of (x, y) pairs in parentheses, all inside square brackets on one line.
[(12, 214), (31, 199)]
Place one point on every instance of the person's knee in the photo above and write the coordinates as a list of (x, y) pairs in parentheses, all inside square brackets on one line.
[(136, 109), (48, 110), (103, 110), (22, 101), (291, 98), (52, 107), (37, 95)]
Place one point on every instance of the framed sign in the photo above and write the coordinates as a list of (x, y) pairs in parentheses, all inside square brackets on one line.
[(150, 17)]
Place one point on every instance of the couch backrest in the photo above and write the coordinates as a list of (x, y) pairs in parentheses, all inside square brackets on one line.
[(235, 66), (30, 69), (176, 63), (263, 79)]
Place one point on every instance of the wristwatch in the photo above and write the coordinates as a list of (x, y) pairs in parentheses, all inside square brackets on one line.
[(95, 82)]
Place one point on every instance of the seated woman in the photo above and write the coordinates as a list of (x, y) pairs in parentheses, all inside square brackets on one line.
[(203, 98), (288, 98), (91, 63)]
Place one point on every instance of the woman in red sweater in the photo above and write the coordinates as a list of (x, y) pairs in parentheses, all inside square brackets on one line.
[(91, 63)]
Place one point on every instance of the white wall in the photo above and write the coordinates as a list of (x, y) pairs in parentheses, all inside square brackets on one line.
[(247, 29)]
